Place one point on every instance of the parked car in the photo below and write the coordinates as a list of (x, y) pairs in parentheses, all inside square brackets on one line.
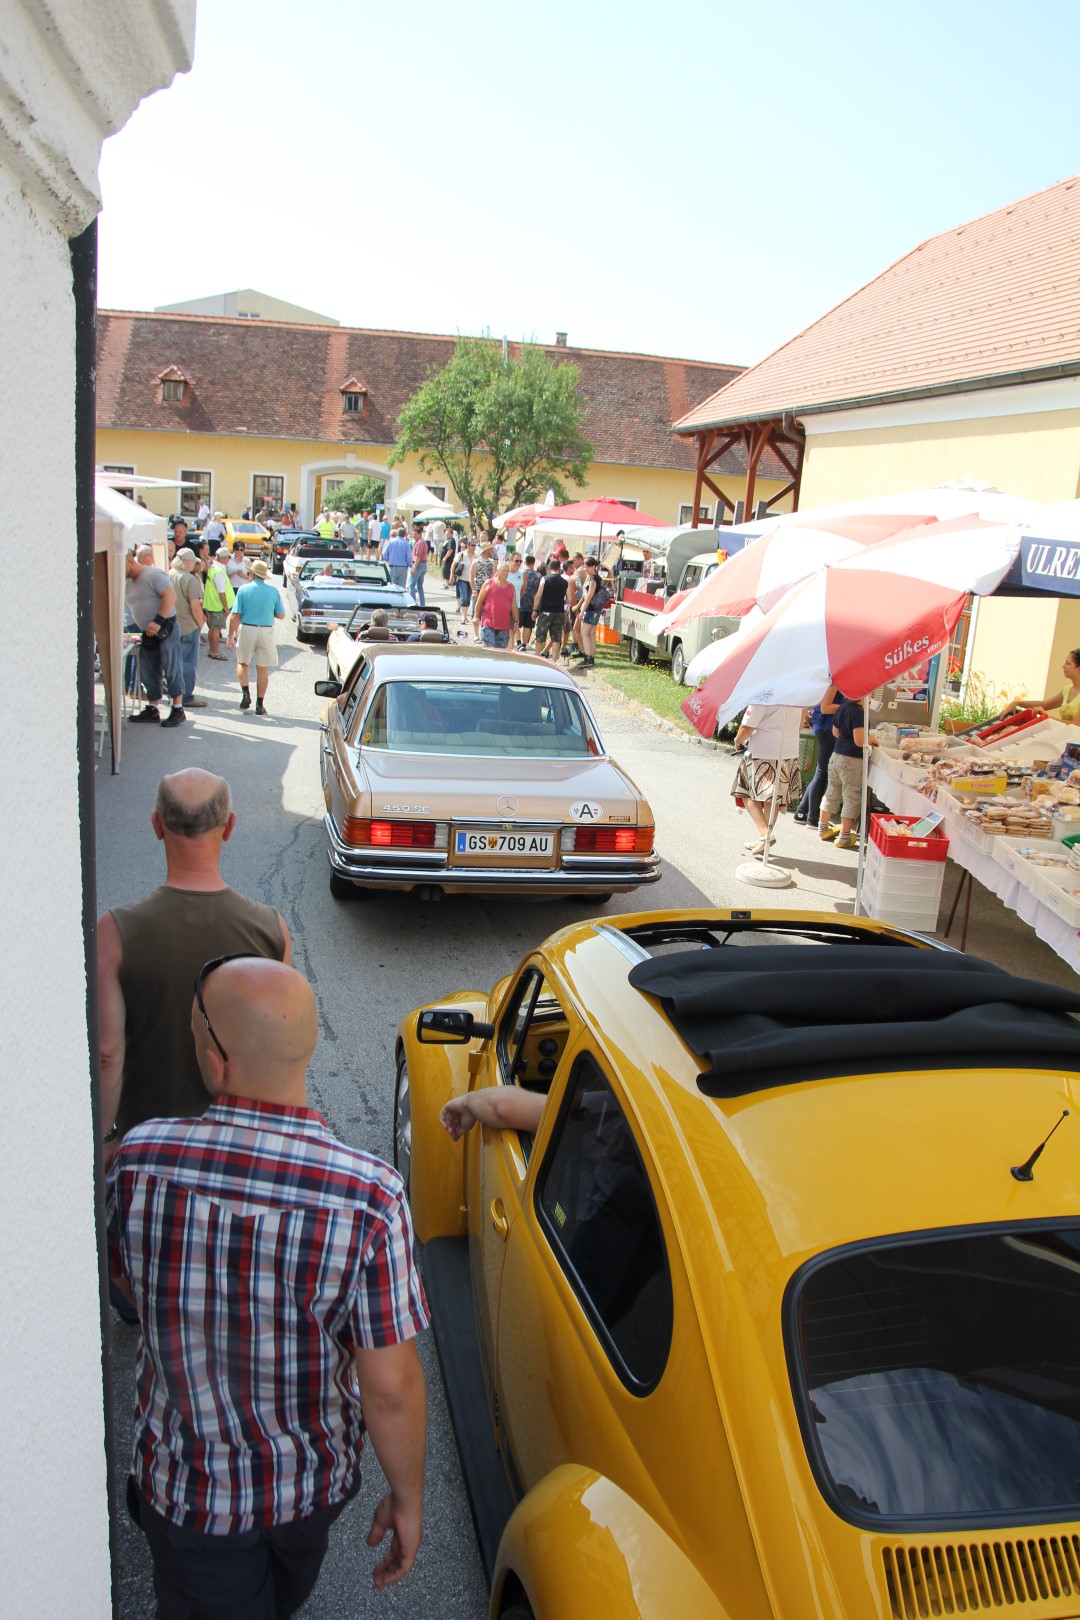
[(309, 548), (461, 769), (638, 607), (770, 1313), (283, 542), (255, 536), (321, 601)]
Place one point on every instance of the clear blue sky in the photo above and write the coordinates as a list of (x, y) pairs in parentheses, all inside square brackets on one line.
[(698, 179)]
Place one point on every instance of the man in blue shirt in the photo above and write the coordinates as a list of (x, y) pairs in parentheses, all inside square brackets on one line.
[(256, 607), (397, 555)]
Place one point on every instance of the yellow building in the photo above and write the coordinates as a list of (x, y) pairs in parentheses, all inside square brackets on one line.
[(960, 360), (251, 412)]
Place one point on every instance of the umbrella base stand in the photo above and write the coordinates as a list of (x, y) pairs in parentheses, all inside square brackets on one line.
[(761, 875)]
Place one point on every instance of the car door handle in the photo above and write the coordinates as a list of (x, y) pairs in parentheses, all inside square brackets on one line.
[(498, 1218), (328, 751)]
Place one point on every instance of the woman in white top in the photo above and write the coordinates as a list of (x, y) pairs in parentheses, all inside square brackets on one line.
[(237, 566), (770, 732)]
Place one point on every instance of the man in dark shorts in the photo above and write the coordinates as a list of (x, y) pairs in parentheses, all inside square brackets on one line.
[(551, 612)]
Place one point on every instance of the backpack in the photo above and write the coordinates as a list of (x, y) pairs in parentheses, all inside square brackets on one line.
[(602, 597)]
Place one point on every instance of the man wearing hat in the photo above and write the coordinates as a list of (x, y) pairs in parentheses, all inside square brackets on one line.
[(256, 607), (190, 617)]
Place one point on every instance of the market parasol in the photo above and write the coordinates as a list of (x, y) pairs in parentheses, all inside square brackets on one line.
[(857, 623), (587, 520), (522, 517), (760, 574)]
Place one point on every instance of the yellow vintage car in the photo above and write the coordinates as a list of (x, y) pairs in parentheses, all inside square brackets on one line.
[(773, 1310), (255, 536), (472, 771)]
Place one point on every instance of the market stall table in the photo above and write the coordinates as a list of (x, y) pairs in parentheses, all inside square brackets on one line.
[(1054, 931)]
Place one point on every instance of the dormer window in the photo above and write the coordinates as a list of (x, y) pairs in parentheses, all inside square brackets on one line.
[(353, 396), (174, 386)]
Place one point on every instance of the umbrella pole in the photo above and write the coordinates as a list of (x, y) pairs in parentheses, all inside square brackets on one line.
[(760, 873), (864, 818)]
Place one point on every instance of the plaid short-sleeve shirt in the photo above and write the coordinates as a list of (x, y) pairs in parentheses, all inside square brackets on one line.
[(262, 1253)]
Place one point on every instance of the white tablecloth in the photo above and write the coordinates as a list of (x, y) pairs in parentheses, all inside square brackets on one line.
[(1050, 928)]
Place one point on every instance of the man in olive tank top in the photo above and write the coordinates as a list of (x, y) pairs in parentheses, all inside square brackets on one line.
[(150, 952)]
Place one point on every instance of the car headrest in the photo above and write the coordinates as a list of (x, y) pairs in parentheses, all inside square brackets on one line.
[(375, 632)]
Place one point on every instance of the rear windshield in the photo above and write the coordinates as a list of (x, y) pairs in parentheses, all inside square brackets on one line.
[(472, 717), (940, 1378)]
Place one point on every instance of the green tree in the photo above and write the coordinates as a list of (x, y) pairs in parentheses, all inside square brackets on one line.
[(503, 430), (359, 495)]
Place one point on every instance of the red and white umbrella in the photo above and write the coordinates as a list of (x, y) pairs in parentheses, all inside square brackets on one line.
[(784, 556), (859, 622), (522, 517)]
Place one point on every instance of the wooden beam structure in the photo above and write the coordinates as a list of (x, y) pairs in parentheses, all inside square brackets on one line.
[(779, 437)]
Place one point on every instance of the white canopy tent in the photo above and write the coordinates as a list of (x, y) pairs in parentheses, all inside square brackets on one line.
[(120, 525), (417, 497)]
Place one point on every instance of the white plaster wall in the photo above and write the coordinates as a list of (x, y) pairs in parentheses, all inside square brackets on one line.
[(71, 71)]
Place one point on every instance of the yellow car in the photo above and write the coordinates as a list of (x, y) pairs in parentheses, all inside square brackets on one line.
[(764, 1304), (255, 536)]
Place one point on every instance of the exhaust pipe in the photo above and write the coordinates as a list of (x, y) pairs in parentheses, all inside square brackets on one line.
[(429, 891)]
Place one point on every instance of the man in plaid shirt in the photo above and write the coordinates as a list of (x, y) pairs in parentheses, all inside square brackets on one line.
[(272, 1269)]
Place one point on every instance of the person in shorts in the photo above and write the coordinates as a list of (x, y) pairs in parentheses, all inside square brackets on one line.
[(551, 612), (844, 789), (251, 632), (530, 586)]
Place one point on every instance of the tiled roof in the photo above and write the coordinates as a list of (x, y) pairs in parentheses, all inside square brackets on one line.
[(274, 379), (996, 298)]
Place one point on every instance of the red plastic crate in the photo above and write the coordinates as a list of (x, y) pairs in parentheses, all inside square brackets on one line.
[(935, 847)]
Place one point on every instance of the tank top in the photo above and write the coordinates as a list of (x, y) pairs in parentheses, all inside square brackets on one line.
[(1069, 710), (165, 940)]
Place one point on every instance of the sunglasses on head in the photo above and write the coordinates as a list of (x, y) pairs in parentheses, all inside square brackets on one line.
[(201, 978)]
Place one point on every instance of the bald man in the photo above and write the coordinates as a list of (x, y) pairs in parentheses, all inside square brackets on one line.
[(274, 1274), (148, 953), (151, 601)]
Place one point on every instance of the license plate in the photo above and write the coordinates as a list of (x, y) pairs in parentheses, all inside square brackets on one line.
[(473, 847)]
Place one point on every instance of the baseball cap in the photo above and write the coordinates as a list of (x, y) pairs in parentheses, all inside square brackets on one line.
[(185, 554)]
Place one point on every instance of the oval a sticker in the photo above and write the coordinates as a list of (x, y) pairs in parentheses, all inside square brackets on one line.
[(585, 810)]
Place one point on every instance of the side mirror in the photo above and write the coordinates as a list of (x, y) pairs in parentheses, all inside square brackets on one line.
[(450, 1026), (328, 689)]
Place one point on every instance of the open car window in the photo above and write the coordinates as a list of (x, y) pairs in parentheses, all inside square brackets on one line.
[(596, 1205), (939, 1378), (475, 717)]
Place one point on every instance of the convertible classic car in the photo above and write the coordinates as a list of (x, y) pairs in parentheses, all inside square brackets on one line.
[(450, 768), (321, 600), (773, 1312)]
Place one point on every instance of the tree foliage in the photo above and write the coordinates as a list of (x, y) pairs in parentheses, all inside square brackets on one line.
[(359, 495), (504, 430)]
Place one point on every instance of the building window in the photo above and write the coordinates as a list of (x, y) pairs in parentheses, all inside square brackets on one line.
[(172, 392), (438, 490), (267, 492), (353, 403), (624, 500), (686, 514), (111, 467), (191, 499)]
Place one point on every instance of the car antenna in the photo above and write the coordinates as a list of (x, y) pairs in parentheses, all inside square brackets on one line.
[(1026, 1171)]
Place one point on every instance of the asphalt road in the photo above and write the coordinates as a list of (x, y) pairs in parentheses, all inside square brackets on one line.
[(373, 961)]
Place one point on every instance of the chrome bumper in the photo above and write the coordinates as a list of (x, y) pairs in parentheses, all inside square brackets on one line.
[(580, 874)]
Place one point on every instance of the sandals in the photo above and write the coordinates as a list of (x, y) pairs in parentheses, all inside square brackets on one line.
[(219, 658), (756, 846)]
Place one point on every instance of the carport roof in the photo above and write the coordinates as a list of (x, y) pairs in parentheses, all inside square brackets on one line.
[(994, 301)]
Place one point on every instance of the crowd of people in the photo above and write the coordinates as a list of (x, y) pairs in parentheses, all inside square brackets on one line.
[(506, 599)]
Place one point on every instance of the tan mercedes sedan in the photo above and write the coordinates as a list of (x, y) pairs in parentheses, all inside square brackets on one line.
[(477, 771)]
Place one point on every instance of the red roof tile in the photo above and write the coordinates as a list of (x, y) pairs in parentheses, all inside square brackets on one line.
[(274, 379), (998, 297)]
